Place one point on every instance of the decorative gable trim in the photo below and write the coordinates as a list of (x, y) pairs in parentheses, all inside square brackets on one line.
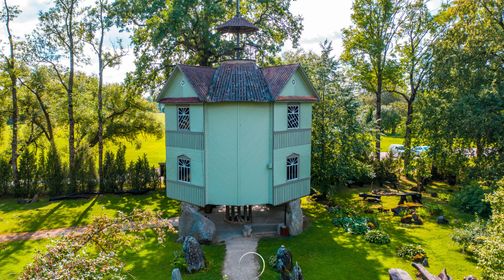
[(179, 100)]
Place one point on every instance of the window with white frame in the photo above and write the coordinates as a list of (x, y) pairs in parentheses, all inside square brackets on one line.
[(292, 116), (292, 167), (183, 118), (184, 169)]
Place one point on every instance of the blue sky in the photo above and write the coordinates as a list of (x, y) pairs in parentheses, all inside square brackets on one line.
[(323, 19)]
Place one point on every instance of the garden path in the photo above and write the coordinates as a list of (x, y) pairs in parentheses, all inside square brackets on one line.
[(48, 233), (236, 250)]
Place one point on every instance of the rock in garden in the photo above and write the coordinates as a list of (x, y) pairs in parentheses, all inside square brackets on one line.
[(398, 274), (193, 254), (247, 230), (193, 223), (442, 220), (175, 274), (470, 277), (416, 219), (297, 273), (283, 259), (295, 217), (434, 194)]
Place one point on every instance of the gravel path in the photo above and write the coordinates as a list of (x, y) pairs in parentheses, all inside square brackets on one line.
[(235, 249)]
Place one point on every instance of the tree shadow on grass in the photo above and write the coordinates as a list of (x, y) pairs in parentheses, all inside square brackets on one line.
[(155, 201), (84, 214), (15, 255)]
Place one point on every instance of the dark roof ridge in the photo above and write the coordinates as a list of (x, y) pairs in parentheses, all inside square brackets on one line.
[(283, 65)]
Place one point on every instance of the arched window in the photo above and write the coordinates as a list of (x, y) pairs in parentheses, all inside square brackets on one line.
[(292, 116), (183, 118), (184, 169), (292, 167)]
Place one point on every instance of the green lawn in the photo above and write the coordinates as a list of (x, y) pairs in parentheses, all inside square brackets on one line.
[(325, 252), (388, 140), (148, 260), (41, 215), (150, 145)]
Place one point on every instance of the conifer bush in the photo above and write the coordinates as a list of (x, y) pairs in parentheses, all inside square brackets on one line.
[(5, 176), (28, 182), (52, 173)]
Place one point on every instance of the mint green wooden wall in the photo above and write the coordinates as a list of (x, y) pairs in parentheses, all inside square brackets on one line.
[(238, 141), (179, 86), (297, 88)]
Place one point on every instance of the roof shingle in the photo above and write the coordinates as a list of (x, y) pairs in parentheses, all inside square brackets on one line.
[(278, 76), (239, 80)]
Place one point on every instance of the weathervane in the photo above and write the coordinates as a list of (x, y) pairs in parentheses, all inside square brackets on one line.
[(237, 25)]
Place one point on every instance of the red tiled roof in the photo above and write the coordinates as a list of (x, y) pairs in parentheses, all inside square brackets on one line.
[(200, 78), (278, 76), (238, 80)]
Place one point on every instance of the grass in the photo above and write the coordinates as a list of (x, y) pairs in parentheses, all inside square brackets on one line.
[(146, 260), (324, 251), (388, 140), (42, 215), (148, 144)]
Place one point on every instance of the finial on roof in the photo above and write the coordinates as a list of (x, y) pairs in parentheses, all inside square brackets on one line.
[(237, 25)]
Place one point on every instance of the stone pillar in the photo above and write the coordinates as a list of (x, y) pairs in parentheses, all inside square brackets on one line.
[(294, 217)]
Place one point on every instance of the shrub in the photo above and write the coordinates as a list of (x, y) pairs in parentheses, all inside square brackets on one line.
[(491, 252), (470, 199), (27, 175), (386, 170), (411, 252), (5, 176), (470, 235), (433, 209), (108, 184), (377, 237), (86, 171), (179, 261), (120, 169), (52, 173), (355, 225), (141, 175)]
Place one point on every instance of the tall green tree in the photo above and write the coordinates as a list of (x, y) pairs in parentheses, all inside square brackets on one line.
[(340, 145), (465, 104), (58, 40), (368, 47), (183, 31), (417, 36), (7, 15), (99, 24)]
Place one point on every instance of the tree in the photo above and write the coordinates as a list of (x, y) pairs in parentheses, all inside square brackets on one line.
[(105, 59), (181, 31), (39, 82), (418, 33), (368, 46), (465, 103), (94, 253), (7, 15), (491, 251), (59, 36), (340, 145)]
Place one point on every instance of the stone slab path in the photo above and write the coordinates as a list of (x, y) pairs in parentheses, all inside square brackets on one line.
[(248, 269)]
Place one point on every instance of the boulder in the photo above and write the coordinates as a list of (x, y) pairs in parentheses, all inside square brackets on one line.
[(175, 274), (398, 274), (247, 230), (295, 217), (442, 220), (297, 273), (193, 223), (193, 254), (470, 277)]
